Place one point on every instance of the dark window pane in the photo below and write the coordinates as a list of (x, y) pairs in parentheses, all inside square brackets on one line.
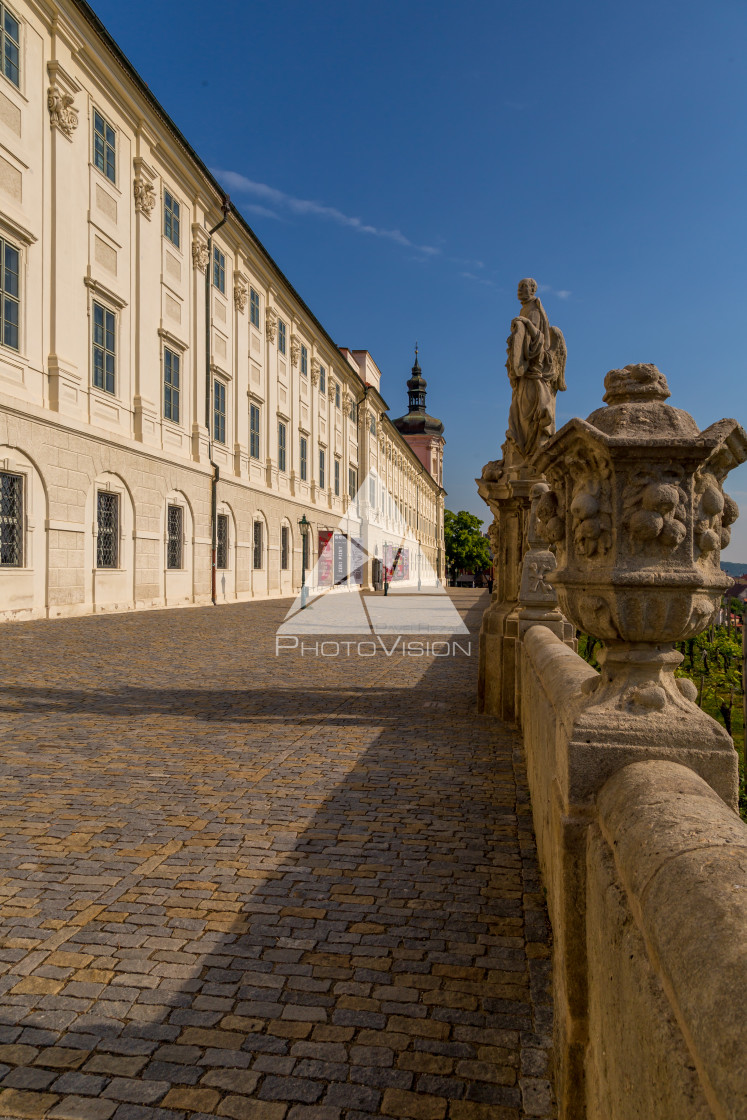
[(11, 520), (11, 27), (174, 528), (107, 524), (257, 544), (221, 551)]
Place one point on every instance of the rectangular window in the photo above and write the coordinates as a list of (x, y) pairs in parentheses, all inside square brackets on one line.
[(107, 529), (284, 547), (304, 361), (282, 336), (104, 348), (352, 482), (174, 536), (337, 478), (104, 146), (10, 270), (219, 269), (254, 431), (372, 425), (337, 395), (304, 458), (353, 413), (171, 216), (253, 308), (11, 46), (322, 380), (171, 384), (258, 544), (219, 412), (11, 520), (221, 541), (322, 458), (282, 446)]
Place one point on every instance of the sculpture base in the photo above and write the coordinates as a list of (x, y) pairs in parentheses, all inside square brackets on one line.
[(501, 634)]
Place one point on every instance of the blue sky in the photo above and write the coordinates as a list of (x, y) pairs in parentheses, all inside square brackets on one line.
[(406, 163)]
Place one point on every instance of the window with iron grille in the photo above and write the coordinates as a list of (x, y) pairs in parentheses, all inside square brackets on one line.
[(171, 218), (254, 431), (171, 384), (10, 288), (104, 146), (352, 482), (258, 550), (284, 547), (304, 361), (282, 336), (304, 458), (104, 348), (11, 520), (11, 48), (219, 412), (337, 478), (107, 529), (174, 536), (219, 269), (282, 446), (221, 541), (322, 463), (322, 380), (253, 308)]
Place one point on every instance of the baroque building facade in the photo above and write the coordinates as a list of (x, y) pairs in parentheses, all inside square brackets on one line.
[(170, 408)]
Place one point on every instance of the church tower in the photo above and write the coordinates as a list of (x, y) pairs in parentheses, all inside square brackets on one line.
[(424, 433)]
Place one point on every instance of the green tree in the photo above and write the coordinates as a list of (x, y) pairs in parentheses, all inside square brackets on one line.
[(466, 548)]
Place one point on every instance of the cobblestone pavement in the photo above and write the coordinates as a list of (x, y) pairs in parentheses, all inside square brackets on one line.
[(244, 886)]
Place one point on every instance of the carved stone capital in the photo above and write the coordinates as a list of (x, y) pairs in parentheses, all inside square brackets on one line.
[(315, 370), (62, 113), (199, 254), (240, 295), (145, 196), (295, 349), (271, 323)]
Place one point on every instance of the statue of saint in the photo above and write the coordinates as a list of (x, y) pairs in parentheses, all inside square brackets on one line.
[(536, 370)]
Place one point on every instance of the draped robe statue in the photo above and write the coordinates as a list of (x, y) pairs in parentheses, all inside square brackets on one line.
[(536, 370)]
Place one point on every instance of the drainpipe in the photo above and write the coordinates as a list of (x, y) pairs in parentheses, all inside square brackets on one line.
[(225, 208)]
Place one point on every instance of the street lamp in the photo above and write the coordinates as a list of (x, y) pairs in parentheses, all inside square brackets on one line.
[(305, 525)]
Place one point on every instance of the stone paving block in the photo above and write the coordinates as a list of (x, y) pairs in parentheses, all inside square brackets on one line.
[(17, 1102), (82, 1108)]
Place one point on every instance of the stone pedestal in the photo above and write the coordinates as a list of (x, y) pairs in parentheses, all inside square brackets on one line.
[(507, 490), (521, 598)]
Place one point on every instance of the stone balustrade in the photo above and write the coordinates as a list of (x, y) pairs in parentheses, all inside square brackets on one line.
[(634, 788), (645, 866)]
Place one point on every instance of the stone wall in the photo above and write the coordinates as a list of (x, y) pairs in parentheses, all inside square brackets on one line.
[(645, 864)]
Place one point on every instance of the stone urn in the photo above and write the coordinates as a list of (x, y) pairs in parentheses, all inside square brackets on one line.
[(637, 516)]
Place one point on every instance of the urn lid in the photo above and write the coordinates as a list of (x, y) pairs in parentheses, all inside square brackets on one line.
[(635, 406)]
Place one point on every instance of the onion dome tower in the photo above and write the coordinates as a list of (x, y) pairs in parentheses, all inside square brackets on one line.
[(424, 433)]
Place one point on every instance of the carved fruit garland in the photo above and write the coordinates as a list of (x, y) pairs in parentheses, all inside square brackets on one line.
[(655, 508)]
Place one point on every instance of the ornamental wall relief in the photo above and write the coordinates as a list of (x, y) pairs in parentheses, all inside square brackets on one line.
[(62, 113)]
